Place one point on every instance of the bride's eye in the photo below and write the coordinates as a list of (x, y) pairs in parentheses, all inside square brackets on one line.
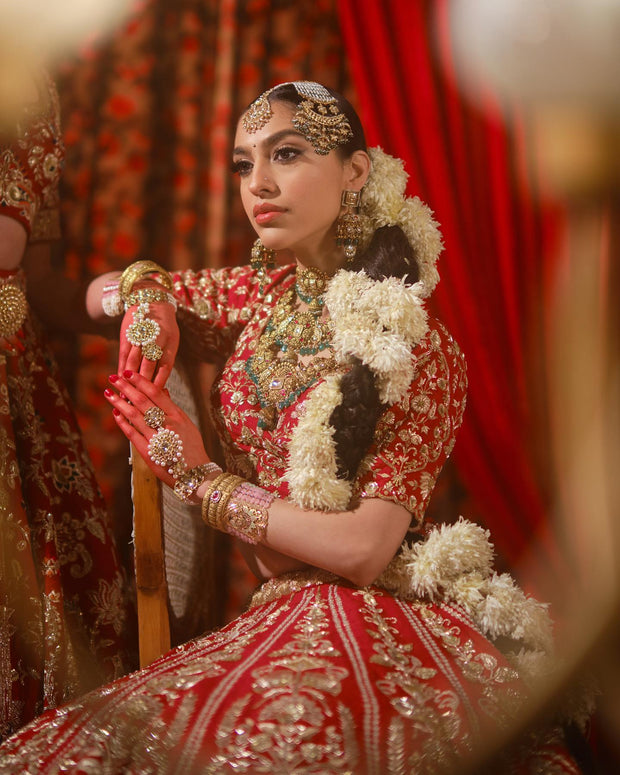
[(241, 167), (286, 153)]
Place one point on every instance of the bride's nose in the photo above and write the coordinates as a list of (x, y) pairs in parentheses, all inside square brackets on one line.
[(261, 180)]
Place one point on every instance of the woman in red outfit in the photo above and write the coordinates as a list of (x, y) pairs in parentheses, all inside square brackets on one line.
[(63, 609), (371, 645)]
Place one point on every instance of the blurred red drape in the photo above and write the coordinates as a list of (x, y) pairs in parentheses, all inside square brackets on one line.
[(464, 162)]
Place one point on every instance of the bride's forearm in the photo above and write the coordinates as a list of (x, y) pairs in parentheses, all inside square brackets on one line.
[(266, 563), (94, 295)]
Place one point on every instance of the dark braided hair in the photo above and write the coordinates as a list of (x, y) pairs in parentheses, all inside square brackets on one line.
[(355, 419), (389, 254)]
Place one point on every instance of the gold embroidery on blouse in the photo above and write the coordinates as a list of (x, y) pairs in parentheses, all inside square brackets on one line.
[(407, 456)]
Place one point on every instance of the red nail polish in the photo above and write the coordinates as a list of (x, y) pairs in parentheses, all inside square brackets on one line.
[(107, 392), (115, 412), (128, 374), (113, 377)]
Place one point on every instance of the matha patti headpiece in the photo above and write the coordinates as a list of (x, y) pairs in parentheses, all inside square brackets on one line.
[(318, 117)]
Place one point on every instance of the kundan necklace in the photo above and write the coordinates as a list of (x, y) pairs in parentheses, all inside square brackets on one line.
[(275, 368)]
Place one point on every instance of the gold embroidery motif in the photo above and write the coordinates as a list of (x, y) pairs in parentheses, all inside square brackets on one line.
[(287, 583), (293, 725), (432, 714), (501, 698)]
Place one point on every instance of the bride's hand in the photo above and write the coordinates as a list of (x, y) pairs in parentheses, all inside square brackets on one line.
[(137, 395), (132, 357)]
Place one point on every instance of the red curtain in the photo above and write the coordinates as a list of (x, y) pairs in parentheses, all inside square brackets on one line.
[(464, 162)]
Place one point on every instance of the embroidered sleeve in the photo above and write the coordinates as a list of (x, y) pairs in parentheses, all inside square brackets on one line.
[(415, 437), (30, 166), (216, 304)]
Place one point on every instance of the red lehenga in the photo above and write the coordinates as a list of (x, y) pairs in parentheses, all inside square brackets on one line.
[(318, 676), (63, 605)]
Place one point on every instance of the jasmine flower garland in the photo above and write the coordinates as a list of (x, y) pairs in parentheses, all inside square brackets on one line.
[(378, 322)]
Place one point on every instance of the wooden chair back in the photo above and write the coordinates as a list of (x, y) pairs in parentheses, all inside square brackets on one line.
[(179, 561)]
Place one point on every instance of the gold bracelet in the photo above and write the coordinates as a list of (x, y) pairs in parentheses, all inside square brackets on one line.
[(150, 296), (247, 512), (217, 496), (212, 494), (139, 269), (13, 309), (235, 506), (227, 487), (187, 484)]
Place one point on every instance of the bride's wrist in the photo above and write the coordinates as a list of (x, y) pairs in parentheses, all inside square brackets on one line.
[(193, 483)]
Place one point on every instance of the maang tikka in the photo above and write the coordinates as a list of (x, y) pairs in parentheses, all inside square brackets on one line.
[(348, 225), (318, 117)]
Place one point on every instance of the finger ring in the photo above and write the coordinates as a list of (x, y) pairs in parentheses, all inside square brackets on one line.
[(165, 448), (154, 417), (152, 351)]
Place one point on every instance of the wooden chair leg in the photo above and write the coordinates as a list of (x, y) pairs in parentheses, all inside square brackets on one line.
[(152, 592)]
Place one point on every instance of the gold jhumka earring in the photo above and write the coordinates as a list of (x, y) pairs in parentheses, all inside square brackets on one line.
[(348, 226), (261, 259)]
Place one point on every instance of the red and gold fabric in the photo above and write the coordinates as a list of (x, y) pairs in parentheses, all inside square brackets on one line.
[(30, 166), (63, 596), (64, 609)]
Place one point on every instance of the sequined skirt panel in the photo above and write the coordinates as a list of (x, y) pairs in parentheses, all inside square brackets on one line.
[(63, 607), (324, 679)]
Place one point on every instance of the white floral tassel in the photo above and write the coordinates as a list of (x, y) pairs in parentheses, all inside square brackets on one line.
[(454, 564), (312, 473), (384, 204), (379, 322)]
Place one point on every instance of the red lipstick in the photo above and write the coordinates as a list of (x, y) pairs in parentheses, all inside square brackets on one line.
[(266, 212)]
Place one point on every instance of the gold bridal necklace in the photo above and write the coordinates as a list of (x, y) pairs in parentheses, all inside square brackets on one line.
[(276, 368)]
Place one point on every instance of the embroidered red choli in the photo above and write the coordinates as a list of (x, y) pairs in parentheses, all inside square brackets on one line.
[(223, 313)]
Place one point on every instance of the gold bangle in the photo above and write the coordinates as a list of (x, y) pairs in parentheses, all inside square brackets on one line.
[(13, 309), (136, 271), (216, 498), (211, 494), (235, 506), (227, 488)]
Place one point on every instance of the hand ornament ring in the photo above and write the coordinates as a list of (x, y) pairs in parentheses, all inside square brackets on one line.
[(152, 351), (166, 448), (142, 331), (154, 417)]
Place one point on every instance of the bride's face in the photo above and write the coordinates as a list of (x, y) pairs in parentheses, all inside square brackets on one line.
[(290, 193)]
